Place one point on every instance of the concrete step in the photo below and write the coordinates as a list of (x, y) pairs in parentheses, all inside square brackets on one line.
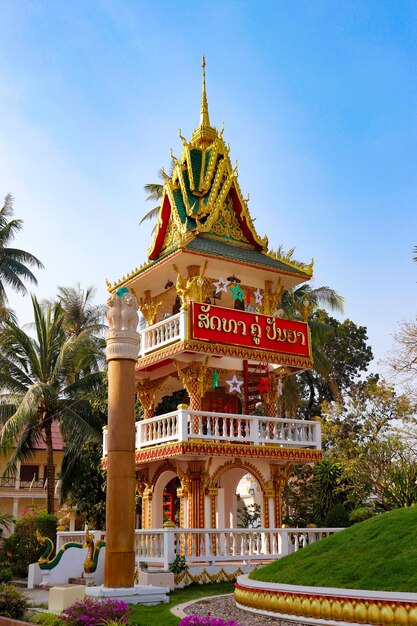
[(20, 582), (139, 594)]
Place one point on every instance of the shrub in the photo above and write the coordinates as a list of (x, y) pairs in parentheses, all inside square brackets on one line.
[(5, 574), (94, 611), (23, 547), (12, 603), (46, 619), (360, 514), (337, 517), (205, 620), (178, 565)]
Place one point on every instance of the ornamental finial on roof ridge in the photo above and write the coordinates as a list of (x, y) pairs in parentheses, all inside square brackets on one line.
[(204, 133)]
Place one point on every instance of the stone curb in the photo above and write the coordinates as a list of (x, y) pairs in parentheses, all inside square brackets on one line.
[(178, 610)]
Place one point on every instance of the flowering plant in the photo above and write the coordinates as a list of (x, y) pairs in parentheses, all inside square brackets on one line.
[(12, 603), (205, 620), (94, 611)]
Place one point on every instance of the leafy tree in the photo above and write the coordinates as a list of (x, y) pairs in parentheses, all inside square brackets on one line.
[(341, 356), (302, 303), (329, 489), (14, 263), (34, 372), (298, 498), (362, 435), (402, 361), (83, 317), (249, 516), (88, 497)]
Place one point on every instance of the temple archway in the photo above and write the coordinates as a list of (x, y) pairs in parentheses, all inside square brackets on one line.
[(225, 495)]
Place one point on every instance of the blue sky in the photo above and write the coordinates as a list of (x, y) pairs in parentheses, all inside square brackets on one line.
[(319, 101)]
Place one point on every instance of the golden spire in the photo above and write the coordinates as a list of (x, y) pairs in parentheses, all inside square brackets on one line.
[(204, 114), (204, 134)]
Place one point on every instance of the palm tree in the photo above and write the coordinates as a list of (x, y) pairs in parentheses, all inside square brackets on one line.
[(13, 262), (34, 374), (83, 316), (154, 193), (302, 303)]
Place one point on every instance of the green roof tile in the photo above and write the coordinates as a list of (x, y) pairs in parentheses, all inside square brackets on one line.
[(196, 159), (247, 255)]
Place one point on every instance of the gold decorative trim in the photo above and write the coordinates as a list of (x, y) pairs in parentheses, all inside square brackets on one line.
[(287, 360), (328, 607), (204, 577), (209, 448), (239, 464)]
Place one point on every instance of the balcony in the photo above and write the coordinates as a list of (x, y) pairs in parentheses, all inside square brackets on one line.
[(184, 425), (17, 483), (163, 333), (218, 330)]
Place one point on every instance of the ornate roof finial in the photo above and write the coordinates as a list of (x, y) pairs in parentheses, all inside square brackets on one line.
[(204, 114), (204, 134)]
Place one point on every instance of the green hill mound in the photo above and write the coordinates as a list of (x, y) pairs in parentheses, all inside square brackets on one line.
[(378, 554)]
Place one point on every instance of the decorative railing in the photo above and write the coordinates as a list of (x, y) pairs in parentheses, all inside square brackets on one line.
[(163, 333), (160, 546), (184, 424), (76, 536), (8, 481), (17, 483)]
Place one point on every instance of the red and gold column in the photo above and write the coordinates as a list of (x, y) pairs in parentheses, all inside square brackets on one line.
[(122, 347), (196, 499), (279, 478), (196, 381)]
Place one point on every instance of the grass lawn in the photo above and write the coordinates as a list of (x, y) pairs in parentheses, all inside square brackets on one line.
[(160, 615), (378, 554)]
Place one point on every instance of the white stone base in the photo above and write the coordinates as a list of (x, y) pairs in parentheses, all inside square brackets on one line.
[(60, 598), (139, 594), (159, 579)]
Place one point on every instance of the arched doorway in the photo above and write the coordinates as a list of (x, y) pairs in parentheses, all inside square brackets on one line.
[(164, 493), (231, 503)]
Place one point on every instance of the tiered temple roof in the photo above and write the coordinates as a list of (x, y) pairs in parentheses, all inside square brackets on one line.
[(203, 211)]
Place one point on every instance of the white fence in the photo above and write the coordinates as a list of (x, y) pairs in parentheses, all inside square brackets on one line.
[(159, 547)]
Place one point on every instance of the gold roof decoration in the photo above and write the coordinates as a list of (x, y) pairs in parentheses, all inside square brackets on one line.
[(203, 189), (204, 134)]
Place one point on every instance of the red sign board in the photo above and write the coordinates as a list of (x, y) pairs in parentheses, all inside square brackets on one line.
[(252, 330)]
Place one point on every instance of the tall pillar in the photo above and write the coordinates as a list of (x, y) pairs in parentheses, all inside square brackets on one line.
[(122, 347)]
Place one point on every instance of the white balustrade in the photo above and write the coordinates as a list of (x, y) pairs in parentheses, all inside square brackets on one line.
[(76, 536), (185, 424), (160, 546), (157, 430), (163, 333)]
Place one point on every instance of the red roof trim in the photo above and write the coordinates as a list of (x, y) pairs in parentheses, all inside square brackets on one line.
[(160, 237), (242, 223)]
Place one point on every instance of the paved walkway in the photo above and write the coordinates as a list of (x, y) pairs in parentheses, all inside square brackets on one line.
[(36, 597)]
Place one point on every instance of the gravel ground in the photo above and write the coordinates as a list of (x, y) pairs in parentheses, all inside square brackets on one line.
[(225, 608)]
